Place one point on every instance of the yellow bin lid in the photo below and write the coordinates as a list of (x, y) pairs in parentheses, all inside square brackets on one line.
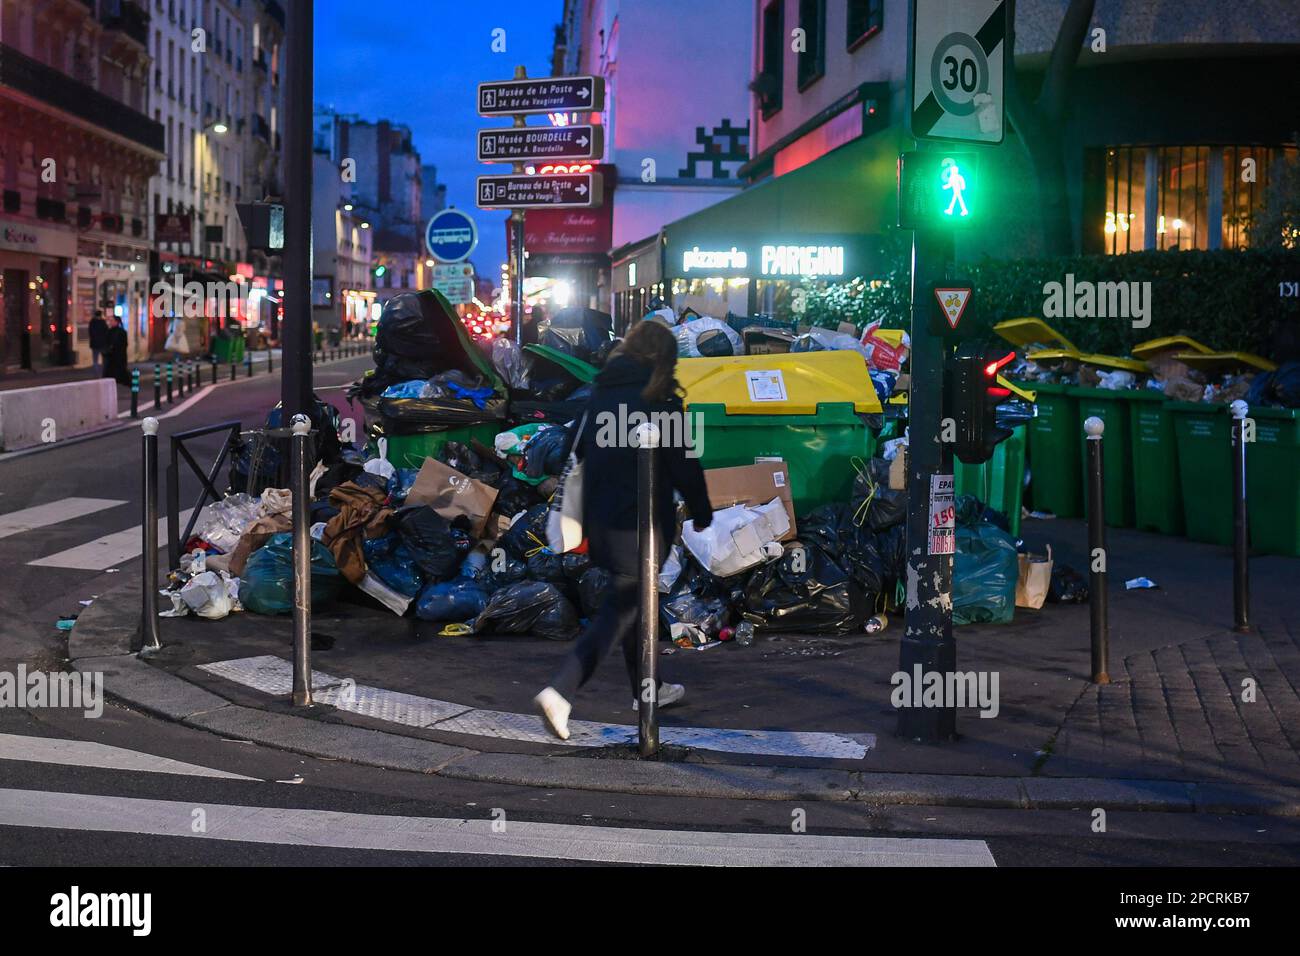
[(1225, 363), (1114, 362), (1028, 331), (1049, 358), (1182, 343), (791, 383)]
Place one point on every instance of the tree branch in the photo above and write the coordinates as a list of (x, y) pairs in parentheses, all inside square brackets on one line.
[(1065, 53)]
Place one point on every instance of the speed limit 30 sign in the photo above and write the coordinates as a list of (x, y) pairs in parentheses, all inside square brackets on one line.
[(956, 70)]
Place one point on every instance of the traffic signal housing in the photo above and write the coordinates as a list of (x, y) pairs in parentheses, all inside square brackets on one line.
[(973, 397), (938, 190)]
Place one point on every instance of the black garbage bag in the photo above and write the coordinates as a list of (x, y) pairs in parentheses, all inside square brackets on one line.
[(405, 331), (548, 567), (527, 534), (857, 549), (1067, 586), (420, 335), (875, 504), (515, 496), (337, 474), (1280, 387), (545, 453), (579, 332), (803, 591), (891, 550), (575, 565), (529, 607), (504, 570), (459, 599), (438, 546), (709, 613), (602, 354), (470, 463), (592, 588), (419, 416)]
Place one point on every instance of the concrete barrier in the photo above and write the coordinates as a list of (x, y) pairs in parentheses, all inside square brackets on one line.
[(34, 416)]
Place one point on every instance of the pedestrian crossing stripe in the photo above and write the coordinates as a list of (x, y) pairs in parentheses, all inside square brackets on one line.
[(51, 513)]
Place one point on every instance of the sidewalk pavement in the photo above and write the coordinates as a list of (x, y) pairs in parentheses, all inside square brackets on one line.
[(1174, 730)]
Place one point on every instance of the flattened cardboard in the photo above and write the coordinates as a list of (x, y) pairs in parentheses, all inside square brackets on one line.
[(752, 485)]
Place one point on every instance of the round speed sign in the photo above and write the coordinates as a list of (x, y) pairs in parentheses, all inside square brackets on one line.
[(959, 72)]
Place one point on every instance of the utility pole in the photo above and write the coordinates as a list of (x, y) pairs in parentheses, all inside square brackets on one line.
[(296, 331)]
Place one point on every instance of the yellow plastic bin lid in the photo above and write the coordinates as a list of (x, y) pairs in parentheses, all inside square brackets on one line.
[(1183, 343), (1028, 331), (1225, 363), (1050, 358), (1114, 362), (794, 383)]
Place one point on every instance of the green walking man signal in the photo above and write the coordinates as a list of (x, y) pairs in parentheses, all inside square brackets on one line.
[(937, 189)]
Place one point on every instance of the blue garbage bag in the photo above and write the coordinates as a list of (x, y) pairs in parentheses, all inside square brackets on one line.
[(984, 570), (456, 600), (399, 484), (266, 586), (411, 389), (389, 559)]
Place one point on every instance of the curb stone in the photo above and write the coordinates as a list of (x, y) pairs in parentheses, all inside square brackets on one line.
[(104, 634)]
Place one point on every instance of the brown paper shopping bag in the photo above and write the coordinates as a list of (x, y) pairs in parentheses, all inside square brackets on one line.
[(1034, 580), (452, 494)]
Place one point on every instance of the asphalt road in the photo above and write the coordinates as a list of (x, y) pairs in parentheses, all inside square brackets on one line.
[(62, 804)]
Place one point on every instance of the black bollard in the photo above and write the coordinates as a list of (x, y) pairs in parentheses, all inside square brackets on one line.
[(1097, 597), (152, 634), (135, 393), (648, 590), (248, 364), (157, 386), (214, 370), (233, 371), (1240, 522), (269, 357)]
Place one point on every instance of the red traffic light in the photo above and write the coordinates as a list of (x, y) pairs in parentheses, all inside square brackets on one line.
[(992, 368)]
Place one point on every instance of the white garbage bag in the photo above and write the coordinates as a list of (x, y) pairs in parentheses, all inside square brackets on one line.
[(688, 337), (208, 595), (381, 466), (224, 522), (739, 538)]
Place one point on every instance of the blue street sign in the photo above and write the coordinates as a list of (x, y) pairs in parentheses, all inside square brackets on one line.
[(450, 236)]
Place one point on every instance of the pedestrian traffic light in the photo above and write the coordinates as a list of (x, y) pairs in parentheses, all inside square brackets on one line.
[(380, 270), (937, 189), (263, 224), (974, 395)]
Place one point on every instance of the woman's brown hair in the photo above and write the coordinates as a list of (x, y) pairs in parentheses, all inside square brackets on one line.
[(652, 344)]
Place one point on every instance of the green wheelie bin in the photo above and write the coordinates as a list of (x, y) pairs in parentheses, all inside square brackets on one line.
[(998, 482), (1112, 406), (1204, 469), (1055, 441), (1273, 480), (1157, 490)]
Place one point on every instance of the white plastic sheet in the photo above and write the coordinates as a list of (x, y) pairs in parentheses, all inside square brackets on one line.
[(739, 537)]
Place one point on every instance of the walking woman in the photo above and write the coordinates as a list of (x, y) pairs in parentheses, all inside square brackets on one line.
[(639, 377)]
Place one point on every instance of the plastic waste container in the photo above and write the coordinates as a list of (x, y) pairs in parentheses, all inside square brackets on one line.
[(803, 408), (409, 451), (1054, 446), (228, 349), (1157, 489), (998, 482), (1112, 407), (1272, 488), (1204, 469)]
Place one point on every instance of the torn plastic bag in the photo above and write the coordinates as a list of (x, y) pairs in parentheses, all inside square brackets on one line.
[(266, 586), (545, 453), (682, 609), (224, 522), (592, 588), (804, 591), (437, 546), (390, 560), (671, 570), (826, 340), (510, 362), (528, 534), (411, 389), (984, 572), (739, 537), (707, 337), (459, 599), (399, 485), (209, 594), (529, 607)]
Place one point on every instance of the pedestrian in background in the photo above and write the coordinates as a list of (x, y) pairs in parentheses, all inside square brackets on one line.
[(529, 332), (116, 344), (98, 335), (639, 377)]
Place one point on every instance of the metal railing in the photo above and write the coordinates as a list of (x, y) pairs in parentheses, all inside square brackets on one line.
[(208, 492)]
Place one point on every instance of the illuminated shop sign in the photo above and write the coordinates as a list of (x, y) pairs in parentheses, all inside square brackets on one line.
[(802, 260), (697, 259)]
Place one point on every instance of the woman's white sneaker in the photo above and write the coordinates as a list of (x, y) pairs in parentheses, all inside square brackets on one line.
[(555, 711), (669, 694)]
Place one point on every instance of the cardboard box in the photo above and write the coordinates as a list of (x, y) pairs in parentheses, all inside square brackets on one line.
[(752, 485)]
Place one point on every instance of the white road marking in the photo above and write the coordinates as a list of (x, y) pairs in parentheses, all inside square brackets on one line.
[(108, 551), (274, 675), (87, 753), (40, 516), (402, 834)]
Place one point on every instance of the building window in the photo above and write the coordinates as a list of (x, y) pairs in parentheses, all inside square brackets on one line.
[(865, 20), (1180, 197), (812, 61), (771, 78)]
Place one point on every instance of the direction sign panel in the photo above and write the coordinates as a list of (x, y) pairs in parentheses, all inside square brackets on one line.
[(450, 235), (514, 144), (956, 70), (548, 94), (528, 192), (455, 281)]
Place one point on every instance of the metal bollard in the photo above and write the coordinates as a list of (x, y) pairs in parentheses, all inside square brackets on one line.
[(1097, 597), (157, 386), (152, 633), (135, 393), (248, 364), (300, 463), (647, 436), (180, 380), (169, 383), (233, 370), (1240, 522), (194, 374)]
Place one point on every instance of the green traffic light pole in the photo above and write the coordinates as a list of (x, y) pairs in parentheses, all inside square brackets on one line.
[(927, 642)]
